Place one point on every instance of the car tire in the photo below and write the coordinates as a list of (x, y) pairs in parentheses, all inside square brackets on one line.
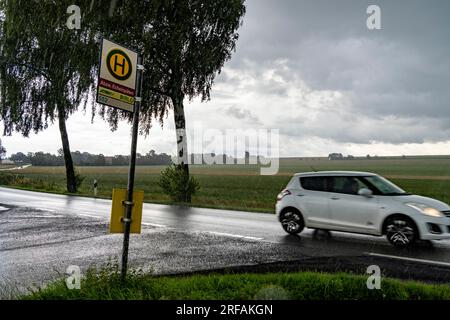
[(292, 221), (401, 231)]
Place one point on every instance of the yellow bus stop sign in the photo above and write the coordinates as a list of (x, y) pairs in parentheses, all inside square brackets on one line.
[(117, 77), (118, 211)]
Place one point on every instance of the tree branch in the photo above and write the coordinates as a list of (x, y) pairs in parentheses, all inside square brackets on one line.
[(42, 73), (159, 91)]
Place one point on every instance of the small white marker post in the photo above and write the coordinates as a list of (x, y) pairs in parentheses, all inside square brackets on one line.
[(95, 187)]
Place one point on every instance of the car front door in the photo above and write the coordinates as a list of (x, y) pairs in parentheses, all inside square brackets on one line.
[(350, 211)]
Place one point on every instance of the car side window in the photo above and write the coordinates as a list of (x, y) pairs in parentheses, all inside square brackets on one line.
[(347, 185), (315, 183)]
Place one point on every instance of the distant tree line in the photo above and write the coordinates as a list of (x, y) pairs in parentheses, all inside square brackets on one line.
[(87, 159), (151, 158)]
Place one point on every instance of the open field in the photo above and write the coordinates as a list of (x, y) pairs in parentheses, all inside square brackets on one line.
[(240, 186), (6, 166)]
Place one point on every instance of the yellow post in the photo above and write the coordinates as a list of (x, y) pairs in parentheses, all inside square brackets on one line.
[(118, 211)]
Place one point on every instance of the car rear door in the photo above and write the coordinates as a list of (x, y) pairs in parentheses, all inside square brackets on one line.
[(350, 211), (313, 199)]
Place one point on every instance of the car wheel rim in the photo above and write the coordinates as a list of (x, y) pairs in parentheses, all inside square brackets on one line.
[(400, 232), (291, 222)]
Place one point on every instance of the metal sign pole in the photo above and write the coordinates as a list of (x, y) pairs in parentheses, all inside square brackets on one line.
[(129, 202)]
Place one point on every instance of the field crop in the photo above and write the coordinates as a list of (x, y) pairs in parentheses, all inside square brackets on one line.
[(240, 186)]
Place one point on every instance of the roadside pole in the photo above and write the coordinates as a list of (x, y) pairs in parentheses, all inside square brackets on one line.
[(95, 188), (131, 173)]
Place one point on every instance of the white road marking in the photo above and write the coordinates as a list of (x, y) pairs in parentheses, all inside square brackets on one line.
[(46, 216), (153, 225), (89, 216), (143, 223), (43, 209), (440, 263), (16, 168), (233, 235), (209, 232), (3, 209)]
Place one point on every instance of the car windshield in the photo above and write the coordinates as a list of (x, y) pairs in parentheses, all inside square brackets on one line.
[(384, 186)]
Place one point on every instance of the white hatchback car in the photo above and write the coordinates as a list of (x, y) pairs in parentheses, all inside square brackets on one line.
[(360, 202)]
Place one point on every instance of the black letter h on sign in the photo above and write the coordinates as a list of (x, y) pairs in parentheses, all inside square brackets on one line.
[(117, 64)]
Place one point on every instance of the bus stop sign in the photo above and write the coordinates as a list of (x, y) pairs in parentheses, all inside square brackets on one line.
[(117, 76)]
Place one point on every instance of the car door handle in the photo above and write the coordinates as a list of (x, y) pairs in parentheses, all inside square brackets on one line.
[(300, 195), (334, 198)]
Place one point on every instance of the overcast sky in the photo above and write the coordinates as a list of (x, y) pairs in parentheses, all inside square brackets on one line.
[(315, 71)]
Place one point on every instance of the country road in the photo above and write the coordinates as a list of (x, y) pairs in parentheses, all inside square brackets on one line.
[(41, 234), (17, 168)]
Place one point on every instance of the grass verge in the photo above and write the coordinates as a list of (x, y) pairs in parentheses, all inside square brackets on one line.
[(106, 285)]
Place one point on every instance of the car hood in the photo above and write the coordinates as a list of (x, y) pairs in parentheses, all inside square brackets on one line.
[(439, 205)]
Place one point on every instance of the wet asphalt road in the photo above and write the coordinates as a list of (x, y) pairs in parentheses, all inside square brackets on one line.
[(41, 234)]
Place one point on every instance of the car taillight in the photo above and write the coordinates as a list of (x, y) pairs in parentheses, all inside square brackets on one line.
[(282, 194)]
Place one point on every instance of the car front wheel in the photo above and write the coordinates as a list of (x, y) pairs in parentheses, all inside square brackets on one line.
[(401, 231), (292, 222)]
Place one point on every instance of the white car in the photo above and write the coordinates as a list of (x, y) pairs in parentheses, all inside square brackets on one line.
[(360, 202)]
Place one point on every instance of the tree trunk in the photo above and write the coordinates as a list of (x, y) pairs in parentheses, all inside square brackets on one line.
[(180, 127), (70, 172)]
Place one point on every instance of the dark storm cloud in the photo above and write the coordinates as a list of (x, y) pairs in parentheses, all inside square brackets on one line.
[(396, 80), (312, 69), (242, 114)]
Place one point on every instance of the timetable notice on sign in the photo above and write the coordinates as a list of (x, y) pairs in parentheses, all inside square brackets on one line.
[(123, 95)]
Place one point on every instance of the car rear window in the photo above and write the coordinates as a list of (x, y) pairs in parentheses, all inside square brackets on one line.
[(348, 185), (314, 183)]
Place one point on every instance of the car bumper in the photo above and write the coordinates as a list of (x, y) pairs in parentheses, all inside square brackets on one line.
[(434, 228), (278, 208)]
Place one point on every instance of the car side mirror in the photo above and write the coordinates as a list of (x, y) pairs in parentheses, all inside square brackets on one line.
[(365, 192)]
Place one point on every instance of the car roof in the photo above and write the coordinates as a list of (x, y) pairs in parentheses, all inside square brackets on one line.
[(334, 173)]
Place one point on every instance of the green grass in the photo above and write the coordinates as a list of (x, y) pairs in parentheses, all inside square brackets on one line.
[(241, 187), (106, 285)]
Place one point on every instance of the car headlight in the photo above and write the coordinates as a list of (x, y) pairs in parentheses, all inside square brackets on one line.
[(424, 209)]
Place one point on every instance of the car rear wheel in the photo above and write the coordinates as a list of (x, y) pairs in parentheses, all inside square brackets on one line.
[(292, 221), (401, 231)]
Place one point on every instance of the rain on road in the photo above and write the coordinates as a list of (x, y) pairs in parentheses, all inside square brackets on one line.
[(42, 234)]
